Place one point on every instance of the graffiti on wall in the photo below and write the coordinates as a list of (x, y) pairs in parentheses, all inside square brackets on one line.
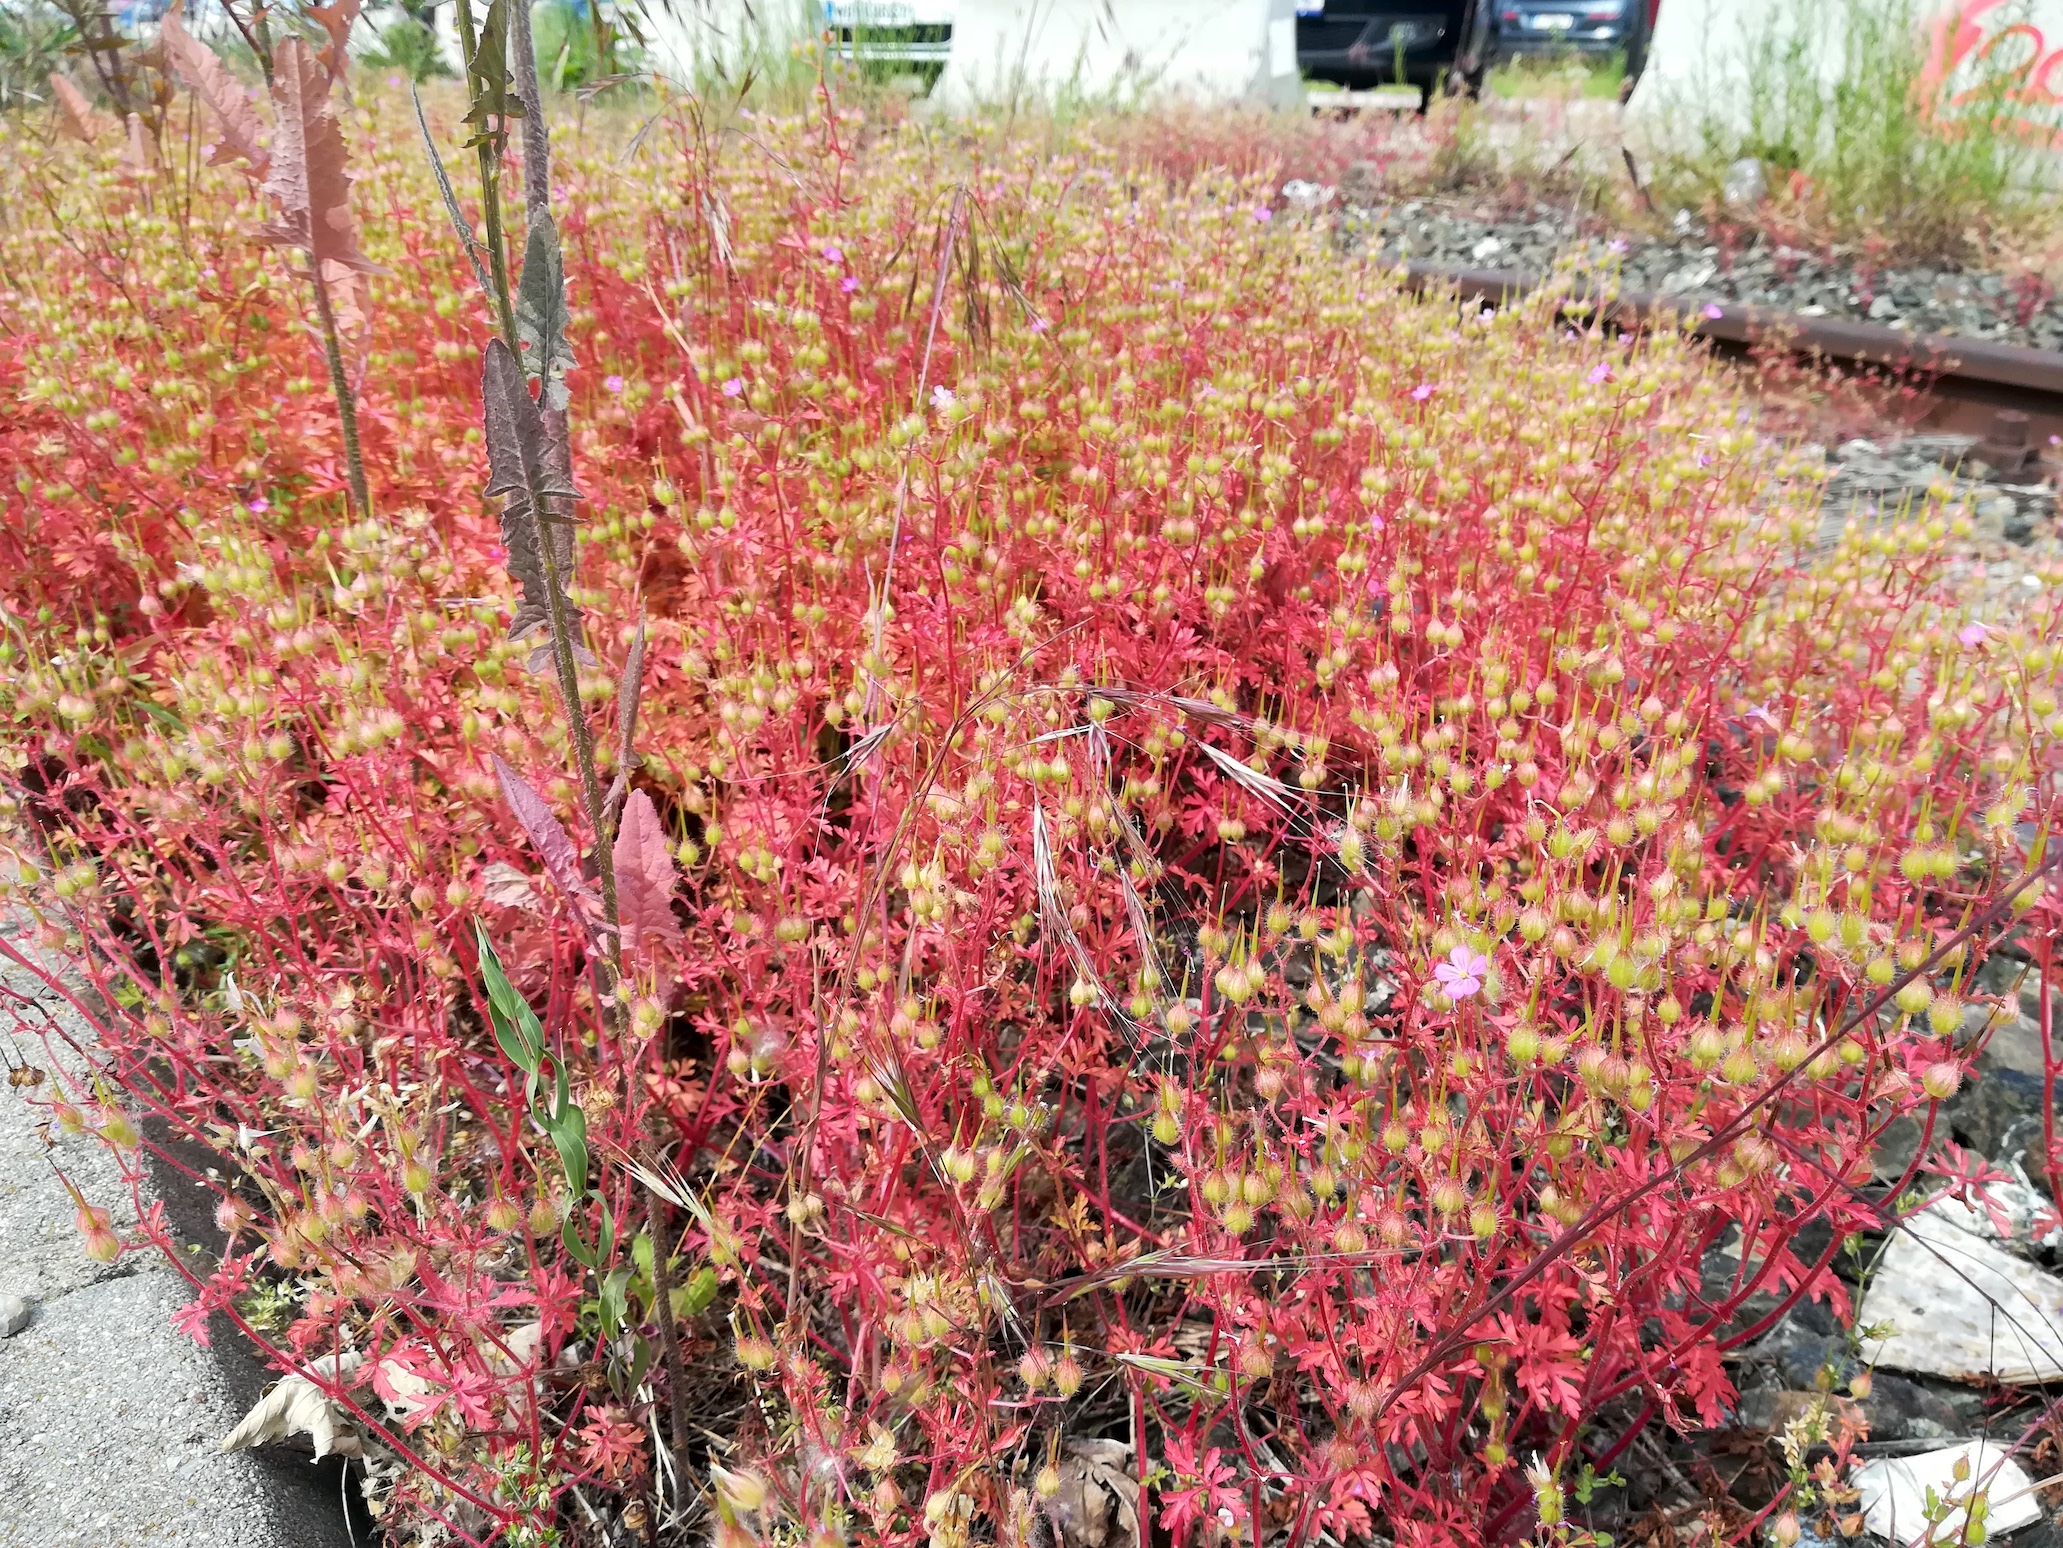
[(1992, 59)]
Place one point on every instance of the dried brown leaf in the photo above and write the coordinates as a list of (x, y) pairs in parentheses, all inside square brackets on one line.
[(350, 297), (297, 1406), (208, 78), (77, 117), (503, 886), (519, 454), (644, 879), (137, 160), (1097, 1504)]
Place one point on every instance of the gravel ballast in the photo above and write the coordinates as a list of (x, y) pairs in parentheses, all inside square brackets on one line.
[(1694, 267)]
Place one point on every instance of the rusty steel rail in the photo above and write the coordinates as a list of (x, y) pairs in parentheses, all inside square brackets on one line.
[(2007, 390)]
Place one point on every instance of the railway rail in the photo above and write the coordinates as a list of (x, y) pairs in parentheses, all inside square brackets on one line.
[(2010, 396)]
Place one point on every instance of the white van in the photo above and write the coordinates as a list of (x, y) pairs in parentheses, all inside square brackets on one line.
[(904, 32)]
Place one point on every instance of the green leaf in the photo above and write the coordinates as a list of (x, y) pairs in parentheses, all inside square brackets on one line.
[(641, 1254), (516, 1027), (541, 312), (641, 1356), (589, 1256), (568, 1129), (694, 1298), (613, 1287)]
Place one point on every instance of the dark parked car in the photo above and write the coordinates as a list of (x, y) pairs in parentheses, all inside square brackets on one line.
[(1422, 43), (1451, 43), (1585, 26)]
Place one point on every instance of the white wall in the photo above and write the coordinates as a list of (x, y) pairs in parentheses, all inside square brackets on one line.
[(1123, 50), (1699, 58)]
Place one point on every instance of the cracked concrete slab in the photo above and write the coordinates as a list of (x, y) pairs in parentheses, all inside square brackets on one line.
[(110, 1417)]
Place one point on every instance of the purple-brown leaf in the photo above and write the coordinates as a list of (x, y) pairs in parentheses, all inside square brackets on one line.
[(208, 78), (644, 879), (310, 180)]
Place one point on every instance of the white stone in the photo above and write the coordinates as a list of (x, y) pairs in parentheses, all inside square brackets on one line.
[(14, 1315), (1960, 1307), (1894, 1493), (1089, 51)]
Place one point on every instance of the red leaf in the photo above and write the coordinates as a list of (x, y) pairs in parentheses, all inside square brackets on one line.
[(644, 878)]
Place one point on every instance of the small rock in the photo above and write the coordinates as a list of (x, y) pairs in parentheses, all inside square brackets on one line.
[(1489, 247), (1897, 1490), (1947, 451), (1883, 309), (1744, 185), (1898, 1409), (1959, 1307), (1772, 1410), (14, 1315)]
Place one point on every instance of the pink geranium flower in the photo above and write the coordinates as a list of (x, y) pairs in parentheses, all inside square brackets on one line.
[(1461, 975)]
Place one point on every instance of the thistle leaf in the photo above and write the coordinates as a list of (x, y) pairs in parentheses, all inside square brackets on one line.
[(554, 848), (518, 459), (629, 690), (541, 312), (309, 179), (350, 298), (644, 879), (487, 73), (81, 119), (458, 219)]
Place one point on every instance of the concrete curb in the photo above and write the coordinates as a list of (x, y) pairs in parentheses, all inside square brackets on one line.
[(110, 1417)]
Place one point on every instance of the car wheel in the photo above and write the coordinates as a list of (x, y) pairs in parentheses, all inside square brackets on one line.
[(1636, 52)]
